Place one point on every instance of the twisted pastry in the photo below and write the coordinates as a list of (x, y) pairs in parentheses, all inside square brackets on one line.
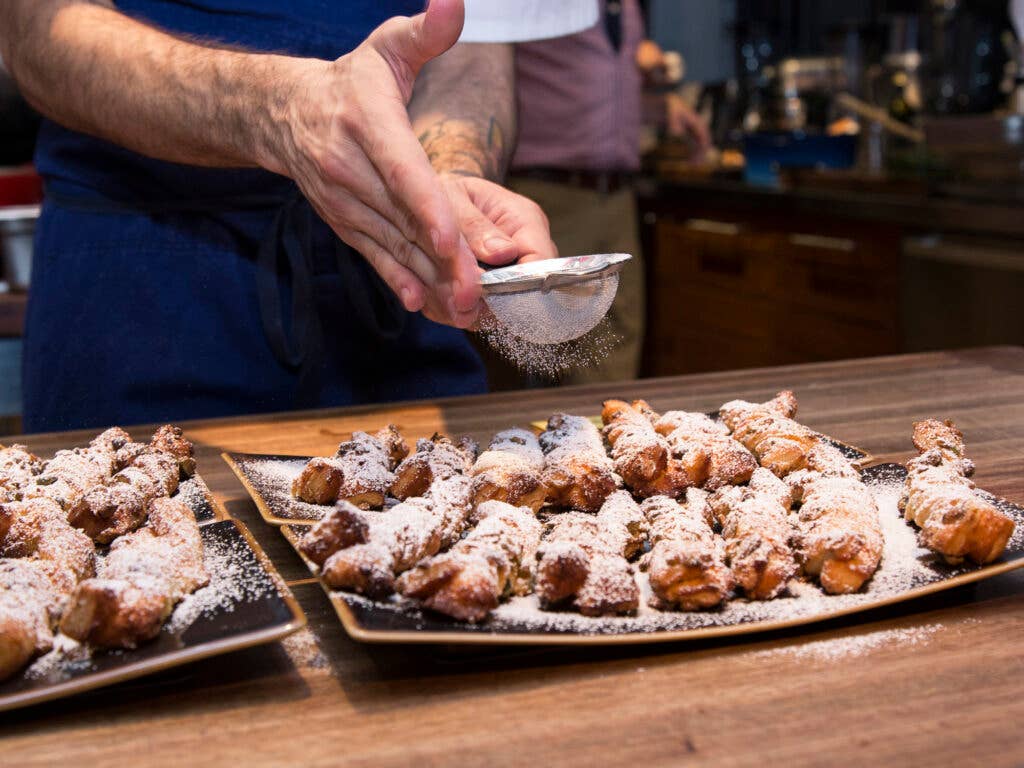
[(510, 470), (360, 472), (67, 477), (435, 459), (584, 558), (577, 473), (838, 536), (686, 564), (145, 574), (44, 558), (120, 504), (643, 458), (17, 468), (770, 433), (940, 499), (495, 559), (729, 463), (29, 611), (389, 543), (756, 529)]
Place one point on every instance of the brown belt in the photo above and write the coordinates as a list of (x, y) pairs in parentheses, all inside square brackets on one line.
[(607, 182)]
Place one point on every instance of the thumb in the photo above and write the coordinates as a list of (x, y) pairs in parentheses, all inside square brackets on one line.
[(407, 43)]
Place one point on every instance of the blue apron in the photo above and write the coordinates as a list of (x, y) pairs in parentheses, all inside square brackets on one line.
[(163, 291)]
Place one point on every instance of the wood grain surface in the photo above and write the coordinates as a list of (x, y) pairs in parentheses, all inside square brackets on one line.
[(939, 681)]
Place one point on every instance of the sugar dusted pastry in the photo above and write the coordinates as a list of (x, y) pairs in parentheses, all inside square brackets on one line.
[(435, 459), (578, 473), (37, 528), (686, 565), (386, 544), (360, 472), (770, 433), (729, 462), (17, 468), (583, 559), (494, 560), (29, 611), (839, 537), (756, 530), (145, 574), (70, 474), (42, 559), (119, 505), (940, 498), (171, 441), (643, 458), (510, 470)]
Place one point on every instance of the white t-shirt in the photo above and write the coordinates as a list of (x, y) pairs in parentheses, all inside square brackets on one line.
[(516, 21)]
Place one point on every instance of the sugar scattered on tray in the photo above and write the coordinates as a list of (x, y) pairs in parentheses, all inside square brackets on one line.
[(272, 480), (905, 566), (235, 577)]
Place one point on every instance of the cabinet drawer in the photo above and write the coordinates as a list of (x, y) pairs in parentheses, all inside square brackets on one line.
[(726, 256)]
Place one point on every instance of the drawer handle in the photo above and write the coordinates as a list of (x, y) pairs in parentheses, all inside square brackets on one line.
[(825, 243), (714, 227)]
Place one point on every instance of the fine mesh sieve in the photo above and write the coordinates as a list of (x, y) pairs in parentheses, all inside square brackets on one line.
[(555, 300)]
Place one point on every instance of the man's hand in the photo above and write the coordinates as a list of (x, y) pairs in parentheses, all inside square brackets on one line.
[(341, 129), (348, 143), (682, 122), (501, 226)]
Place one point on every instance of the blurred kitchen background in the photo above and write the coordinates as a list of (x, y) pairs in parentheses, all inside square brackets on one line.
[(864, 196)]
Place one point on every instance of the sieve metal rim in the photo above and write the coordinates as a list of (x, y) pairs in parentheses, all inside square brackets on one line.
[(568, 271)]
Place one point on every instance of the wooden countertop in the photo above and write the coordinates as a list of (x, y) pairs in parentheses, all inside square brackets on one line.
[(935, 681)]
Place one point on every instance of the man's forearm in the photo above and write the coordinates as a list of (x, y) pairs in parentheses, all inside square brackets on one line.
[(463, 110), (93, 69)]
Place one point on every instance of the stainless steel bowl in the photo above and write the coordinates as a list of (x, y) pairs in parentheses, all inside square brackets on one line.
[(17, 230)]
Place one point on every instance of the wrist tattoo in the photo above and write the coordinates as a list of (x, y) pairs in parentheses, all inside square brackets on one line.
[(465, 147)]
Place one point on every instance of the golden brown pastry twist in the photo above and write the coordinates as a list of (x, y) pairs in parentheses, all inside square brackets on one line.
[(17, 468), (940, 498), (510, 470), (145, 574), (435, 459), (757, 531), (360, 472), (495, 559), (585, 558), (729, 462), (120, 504), (577, 473), (643, 458), (390, 543), (686, 564)]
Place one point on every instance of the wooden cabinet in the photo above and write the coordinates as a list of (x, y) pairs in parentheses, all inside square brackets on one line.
[(730, 292)]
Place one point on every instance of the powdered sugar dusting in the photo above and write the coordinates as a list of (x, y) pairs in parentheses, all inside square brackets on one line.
[(852, 646), (551, 361), (272, 480), (905, 566), (235, 577)]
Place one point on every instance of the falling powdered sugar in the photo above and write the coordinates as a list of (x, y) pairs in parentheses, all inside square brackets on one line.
[(550, 361)]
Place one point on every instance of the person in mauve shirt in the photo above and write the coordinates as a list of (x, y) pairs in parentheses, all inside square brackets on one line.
[(581, 104)]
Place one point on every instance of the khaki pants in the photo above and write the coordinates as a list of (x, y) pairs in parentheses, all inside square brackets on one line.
[(586, 221)]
